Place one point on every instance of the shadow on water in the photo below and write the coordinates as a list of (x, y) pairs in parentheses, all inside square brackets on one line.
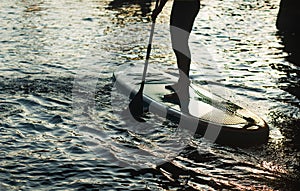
[(189, 172)]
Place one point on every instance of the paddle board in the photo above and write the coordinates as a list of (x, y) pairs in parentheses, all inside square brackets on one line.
[(216, 118)]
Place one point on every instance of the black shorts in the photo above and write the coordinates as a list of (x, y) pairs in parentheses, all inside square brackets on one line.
[(184, 13)]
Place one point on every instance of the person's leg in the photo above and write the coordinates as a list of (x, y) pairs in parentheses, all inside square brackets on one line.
[(182, 52), (179, 39), (182, 18)]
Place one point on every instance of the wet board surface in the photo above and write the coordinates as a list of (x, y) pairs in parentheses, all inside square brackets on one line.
[(234, 125)]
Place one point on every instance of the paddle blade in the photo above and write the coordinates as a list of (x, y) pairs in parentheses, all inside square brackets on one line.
[(136, 106)]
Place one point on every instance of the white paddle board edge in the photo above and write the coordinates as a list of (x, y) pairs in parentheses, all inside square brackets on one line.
[(247, 129)]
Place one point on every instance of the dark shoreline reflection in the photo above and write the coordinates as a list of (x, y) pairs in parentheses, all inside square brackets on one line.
[(145, 5), (291, 42), (289, 31)]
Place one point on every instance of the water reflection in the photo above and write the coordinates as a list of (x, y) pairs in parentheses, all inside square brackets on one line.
[(25, 43), (33, 8), (38, 132), (144, 6)]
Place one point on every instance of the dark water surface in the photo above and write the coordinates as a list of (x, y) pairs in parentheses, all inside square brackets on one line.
[(57, 57)]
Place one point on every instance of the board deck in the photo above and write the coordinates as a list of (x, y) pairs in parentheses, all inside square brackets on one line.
[(234, 125)]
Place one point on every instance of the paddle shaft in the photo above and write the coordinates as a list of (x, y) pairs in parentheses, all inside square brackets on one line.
[(136, 105), (148, 50)]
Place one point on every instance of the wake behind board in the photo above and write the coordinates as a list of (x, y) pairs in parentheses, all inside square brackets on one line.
[(217, 119)]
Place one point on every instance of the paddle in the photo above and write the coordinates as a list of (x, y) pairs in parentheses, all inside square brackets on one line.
[(136, 105)]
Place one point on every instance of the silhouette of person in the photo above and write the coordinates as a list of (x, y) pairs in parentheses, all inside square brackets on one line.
[(182, 18)]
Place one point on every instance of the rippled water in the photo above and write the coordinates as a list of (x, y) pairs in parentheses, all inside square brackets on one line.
[(47, 48)]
